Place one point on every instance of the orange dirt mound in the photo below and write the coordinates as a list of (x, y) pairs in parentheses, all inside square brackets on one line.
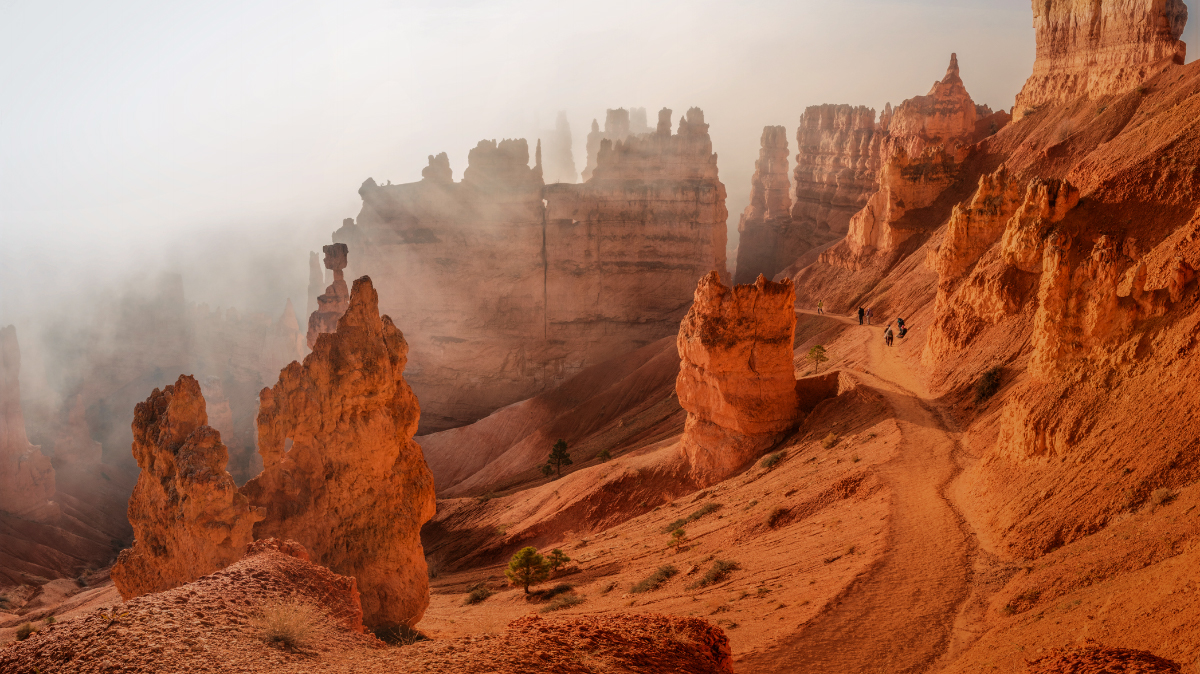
[(1095, 659)]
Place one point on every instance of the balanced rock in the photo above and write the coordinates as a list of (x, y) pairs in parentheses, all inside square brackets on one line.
[(342, 475), (26, 475), (736, 381), (1094, 48), (187, 515), (332, 304)]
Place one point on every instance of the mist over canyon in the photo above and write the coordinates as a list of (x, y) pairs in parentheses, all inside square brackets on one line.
[(521, 336)]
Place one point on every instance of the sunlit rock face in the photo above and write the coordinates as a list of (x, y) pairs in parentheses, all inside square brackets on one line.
[(26, 476), (1093, 48), (342, 475), (187, 515), (506, 287), (837, 164), (927, 139), (736, 380)]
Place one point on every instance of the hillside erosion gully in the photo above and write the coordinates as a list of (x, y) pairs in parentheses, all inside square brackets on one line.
[(901, 615)]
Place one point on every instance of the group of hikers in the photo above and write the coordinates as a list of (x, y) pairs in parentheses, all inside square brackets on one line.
[(866, 314)]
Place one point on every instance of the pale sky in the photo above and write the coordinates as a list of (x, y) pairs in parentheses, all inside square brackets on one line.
[(228, 138)]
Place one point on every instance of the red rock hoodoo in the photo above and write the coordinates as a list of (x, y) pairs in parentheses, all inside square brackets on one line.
[(332, 305), (1095, 48), (619, 124), (597, 270), (187, 515), (765, 226), (736, 381), (342, 475), (26, 475), (837, 164)]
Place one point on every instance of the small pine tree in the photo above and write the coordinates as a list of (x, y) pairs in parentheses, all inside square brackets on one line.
[(559, 456), (557, 559), (527, 567), (604, 455), (678, 540), (546, 469), (817, 356)]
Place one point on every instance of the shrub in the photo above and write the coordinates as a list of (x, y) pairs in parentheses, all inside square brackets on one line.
[(527, 567), (829, 441), (49, 620), (817, 356), (477, 593), (557, 559), (656, 579), (987, 385), (604, 455), (565, 601), (776, 515), (771, 460), (716, 573), (288, 622), (683, 521), (1162, 496), (400, 635), (678, 540), (25, 630)]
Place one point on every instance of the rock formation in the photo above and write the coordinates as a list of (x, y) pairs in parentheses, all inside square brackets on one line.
[(342, 475), (1095, 48), (927, 139), (332, 304), (26, 476), (187, 515), (316, 281), (765, 242), (438, 171), (600, 269), (560, 161), (619, 124), (736, 380), (837, 164)]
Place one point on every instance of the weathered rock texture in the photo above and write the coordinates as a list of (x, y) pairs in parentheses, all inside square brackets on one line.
[(619, 124), (600, 269), (736, 380), (927, 139), (768, 241), (187, 515), (1095, 48), (332, 304), (560, 161), (342, 475), (837, 164), (26, 476)]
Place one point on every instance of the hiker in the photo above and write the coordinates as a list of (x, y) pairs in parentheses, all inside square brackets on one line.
[(862, 314), (887, 335), (900, 323), (870, 313), (903, 332), (820, 307)]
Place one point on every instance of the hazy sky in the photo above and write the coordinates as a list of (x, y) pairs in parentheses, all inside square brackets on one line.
[(136, 136)]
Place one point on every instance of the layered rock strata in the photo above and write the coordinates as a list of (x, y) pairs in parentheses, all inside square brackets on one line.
[(596, 270), (736, 379), (187, 515), (837, 164), (342, 475), (927, 139), (26, 475), (1095, 48), (332, 304)]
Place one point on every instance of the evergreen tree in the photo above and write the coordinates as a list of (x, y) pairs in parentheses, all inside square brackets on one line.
[(557, 559), (527, 567), (559, 456), (817, 356)]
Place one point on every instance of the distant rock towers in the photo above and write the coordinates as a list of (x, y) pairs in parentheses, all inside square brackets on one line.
[(333, 303)]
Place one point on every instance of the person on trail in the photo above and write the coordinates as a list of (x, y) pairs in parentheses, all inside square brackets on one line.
[(870, 313), (903, 332), (887, 335), (820, 307), (862, 313), (900, 323)]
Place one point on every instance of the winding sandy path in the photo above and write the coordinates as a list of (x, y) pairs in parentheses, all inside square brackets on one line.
[(897, 617)]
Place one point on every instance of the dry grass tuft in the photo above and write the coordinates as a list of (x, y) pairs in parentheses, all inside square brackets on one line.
[(829, 441), (656, 579), (290, 623)]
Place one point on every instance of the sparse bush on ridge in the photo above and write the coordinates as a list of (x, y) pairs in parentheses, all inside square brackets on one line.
[(565, 601), (288, 622), (716, 573), (988, 385), (829, 441), (477, 593), (656, 579), (25, 630), (771, 460), (775, 516), (683, 521)]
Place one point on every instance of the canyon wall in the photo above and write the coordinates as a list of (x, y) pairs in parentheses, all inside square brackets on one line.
[(619, 124), (768, 239), (837, 164), (560, 160), (503, 296), (26, 476), (187, 515), (1095, 48), (342, 475), (736, 380)]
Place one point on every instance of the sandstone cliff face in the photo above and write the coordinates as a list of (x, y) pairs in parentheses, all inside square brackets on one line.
[(837, 164), (619, 124), (768, 239), (187, 515), (736, 379), (342, 475), (927, 139), (602, 268), (26, 476), (1094, 48)]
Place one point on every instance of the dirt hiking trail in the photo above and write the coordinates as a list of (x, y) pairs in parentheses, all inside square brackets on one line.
[(898, 616)]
